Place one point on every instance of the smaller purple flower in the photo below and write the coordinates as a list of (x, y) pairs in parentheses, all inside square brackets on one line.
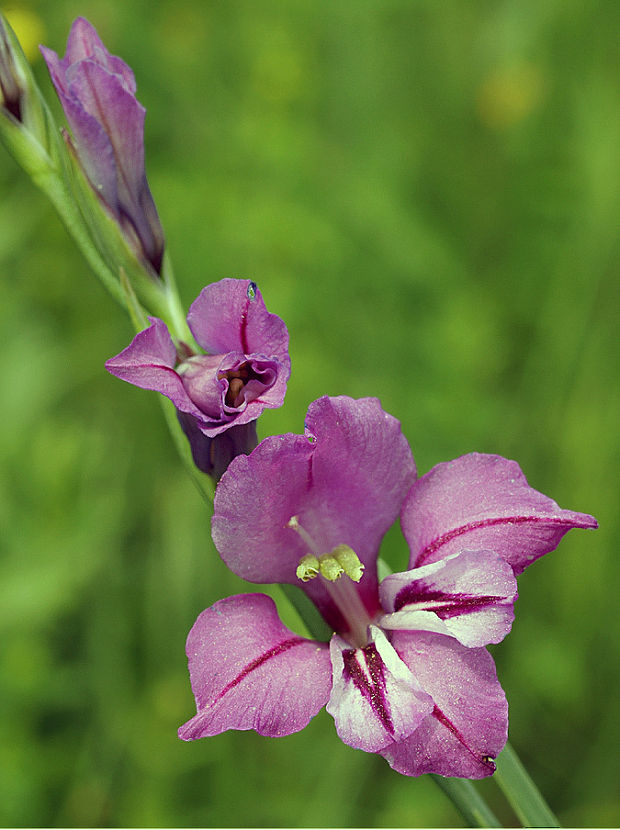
[(98, 94), (406, 673), (218, 394)]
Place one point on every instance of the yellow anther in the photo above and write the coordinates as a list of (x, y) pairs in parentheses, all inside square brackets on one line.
[(308, 567), (349, 562), (330, 568)]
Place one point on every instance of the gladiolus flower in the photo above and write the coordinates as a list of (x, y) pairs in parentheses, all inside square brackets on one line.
[(218, 395), (406, 673)]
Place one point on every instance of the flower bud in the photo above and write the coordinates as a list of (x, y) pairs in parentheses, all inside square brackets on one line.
[(11, 84), (25, 124), (213, 455), (97, 93)]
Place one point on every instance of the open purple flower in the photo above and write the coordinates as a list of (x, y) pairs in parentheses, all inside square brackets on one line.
[(218, 395), (406, 673), (98, 94)]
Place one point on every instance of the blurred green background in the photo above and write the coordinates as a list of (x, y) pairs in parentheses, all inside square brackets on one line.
[(428, 194)]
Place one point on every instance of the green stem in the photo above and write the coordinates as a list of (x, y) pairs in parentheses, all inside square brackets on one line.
[(203, 482), (467, 801), (52, 185), (523, 795)]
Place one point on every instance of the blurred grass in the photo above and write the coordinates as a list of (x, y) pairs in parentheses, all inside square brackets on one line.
[(428, 194)]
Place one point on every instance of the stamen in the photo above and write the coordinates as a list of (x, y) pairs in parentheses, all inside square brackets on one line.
[(235, 386), (345, 595), (237, 378), (293, 523), (349, 562), (308, 567), (331, 567)]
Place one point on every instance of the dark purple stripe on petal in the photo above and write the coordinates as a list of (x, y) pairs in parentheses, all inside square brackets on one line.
[(243, 327), (373, 689), (435, 544), (444, 721), (285, 645), (448, 605)]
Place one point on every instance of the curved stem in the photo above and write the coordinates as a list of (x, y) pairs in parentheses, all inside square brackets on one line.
[(467, 801), (203, 482), (523, 795)]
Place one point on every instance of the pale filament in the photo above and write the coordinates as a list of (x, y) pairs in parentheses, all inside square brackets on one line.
[(343, 592)]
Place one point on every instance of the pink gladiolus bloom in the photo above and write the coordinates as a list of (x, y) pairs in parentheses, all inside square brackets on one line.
[(220, 394), (406, 673)]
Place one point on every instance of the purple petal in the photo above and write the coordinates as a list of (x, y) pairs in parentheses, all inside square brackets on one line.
[(148, 362), (230, 316), (468, 595), (209, 379), (213, 455), (248, 671), (84, 43), (483, 502), (375, 699), (97, 92), (104, 97), (12, 86), (345, 482), (200, 374), (469, 724), (92, 145)]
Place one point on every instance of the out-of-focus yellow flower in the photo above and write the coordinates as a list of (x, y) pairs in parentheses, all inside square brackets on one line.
[(509, 94)]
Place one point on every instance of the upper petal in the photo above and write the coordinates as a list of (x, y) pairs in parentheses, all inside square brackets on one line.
[(231, 316), (97, 92), (468, 595), (103, 96), (249, 671), (468, 726), (84, 43), (148, 362), (345, 486), (483, 502), (375, 699)]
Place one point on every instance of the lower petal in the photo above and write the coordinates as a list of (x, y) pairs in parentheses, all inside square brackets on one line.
[(375, 699), (468, 726), (249, 671)]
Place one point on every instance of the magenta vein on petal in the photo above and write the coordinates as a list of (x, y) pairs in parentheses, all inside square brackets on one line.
[(285, 645), (509, 520)]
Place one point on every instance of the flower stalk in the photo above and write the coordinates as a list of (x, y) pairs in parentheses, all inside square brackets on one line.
[(468, 801), (521, 792)]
